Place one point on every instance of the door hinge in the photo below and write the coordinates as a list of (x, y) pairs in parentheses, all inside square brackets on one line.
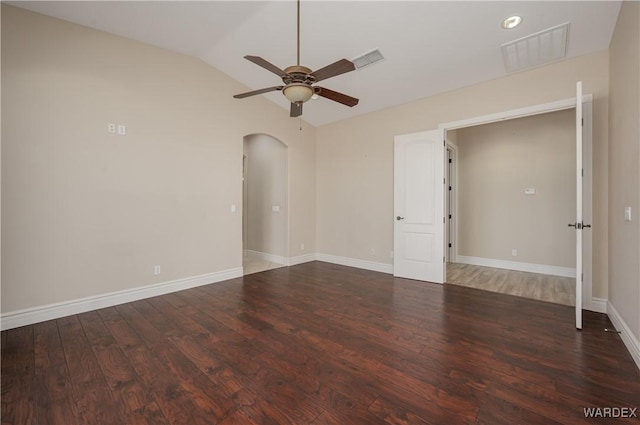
[(583, 172), (582, 122), (449, 216), (449, 245), (444, 260), (582, 277), (443, 219), (449, 187), (444, 142), (450, 160)]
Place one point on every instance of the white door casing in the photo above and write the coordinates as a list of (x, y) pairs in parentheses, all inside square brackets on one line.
[(419, 206), (579, 220)]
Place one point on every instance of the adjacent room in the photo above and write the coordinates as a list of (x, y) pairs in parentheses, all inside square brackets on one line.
[(230, 212), (264, 203), (513, 196)]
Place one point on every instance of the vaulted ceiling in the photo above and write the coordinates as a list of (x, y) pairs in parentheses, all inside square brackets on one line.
[(429, 46)]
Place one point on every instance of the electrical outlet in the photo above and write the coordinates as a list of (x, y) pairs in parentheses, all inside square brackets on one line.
[(111, 127), (302, 247), (514, 252), (156, 270), (373, 251), (122, 130)]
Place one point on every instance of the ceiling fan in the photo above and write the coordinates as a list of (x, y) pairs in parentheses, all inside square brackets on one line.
[(299, 80)]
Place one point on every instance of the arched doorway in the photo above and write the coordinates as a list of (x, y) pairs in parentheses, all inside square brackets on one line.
[(265, 197)]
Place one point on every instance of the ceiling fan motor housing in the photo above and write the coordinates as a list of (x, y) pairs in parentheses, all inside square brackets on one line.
[(298, 74)]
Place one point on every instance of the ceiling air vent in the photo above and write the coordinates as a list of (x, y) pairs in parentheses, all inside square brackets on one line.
[(368, 58), (536, 49)]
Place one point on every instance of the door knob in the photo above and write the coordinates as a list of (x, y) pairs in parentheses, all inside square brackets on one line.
[(399, 218)]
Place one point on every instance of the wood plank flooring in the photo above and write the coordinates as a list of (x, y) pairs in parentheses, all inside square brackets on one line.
[(318, 344), (555, 289)]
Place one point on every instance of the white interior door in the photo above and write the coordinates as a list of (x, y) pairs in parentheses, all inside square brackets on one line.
[(579, 225), (419, 206)]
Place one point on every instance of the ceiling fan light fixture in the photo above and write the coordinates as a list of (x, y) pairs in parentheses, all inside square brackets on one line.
[(298, 92)]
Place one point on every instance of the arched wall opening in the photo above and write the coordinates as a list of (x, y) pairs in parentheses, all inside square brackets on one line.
[(265, 197)]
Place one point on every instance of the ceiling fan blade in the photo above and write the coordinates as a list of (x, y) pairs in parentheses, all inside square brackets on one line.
[(336, 68), (296, 110), (255, 92), (266, 65), (337, 96)]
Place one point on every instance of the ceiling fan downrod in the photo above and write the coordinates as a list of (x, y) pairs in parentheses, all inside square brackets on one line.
[(298, 32)]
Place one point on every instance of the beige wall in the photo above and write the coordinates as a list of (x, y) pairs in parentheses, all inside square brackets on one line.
[(85, 212), (355, 156), (624, 166), (496, 162), (265, 187)]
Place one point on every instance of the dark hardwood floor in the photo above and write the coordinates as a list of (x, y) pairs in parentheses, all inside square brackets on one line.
[(318, 344)]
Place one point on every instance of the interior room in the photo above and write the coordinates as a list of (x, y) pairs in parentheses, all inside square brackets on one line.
[(235, 212), (514, 194), (264, 203)]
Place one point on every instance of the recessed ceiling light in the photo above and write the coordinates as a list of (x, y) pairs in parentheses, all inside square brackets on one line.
[(511, 22)]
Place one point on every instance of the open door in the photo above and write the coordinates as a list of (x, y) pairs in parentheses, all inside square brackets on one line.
[(579, 225), (419, 206)]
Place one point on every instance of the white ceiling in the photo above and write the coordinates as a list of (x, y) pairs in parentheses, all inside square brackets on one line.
[(429, 46)]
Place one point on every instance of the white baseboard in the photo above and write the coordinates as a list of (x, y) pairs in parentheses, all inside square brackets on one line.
[(629, 339), (264, 256), (43, 313), (302, 259), (522, 267), (599, 305), (354, 262)]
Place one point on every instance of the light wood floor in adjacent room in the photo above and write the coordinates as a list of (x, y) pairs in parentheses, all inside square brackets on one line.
[(555, 289), (252, 265)]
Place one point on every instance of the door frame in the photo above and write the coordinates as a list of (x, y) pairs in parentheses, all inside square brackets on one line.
[(451, 202), (560, 105)]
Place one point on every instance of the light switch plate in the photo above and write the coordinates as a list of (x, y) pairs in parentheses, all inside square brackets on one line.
[(530, 191), (627, 213)]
